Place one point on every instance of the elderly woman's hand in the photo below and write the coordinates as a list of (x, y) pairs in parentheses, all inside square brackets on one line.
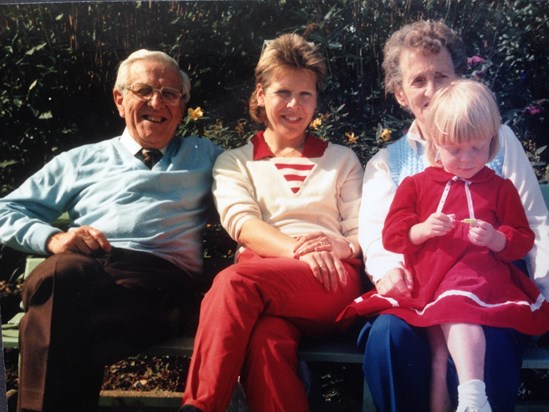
[(397, 282), (326, 268)]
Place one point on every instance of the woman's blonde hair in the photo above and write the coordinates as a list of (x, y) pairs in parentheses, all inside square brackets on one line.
[(123, 74), (288, 51), (465, 111)]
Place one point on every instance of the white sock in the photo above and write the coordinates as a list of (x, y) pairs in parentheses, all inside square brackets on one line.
[(472, 394)]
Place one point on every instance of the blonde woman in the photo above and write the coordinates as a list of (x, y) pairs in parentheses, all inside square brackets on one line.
[(291, 200)]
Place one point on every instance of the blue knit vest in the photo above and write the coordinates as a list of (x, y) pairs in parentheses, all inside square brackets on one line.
[(405, 161)]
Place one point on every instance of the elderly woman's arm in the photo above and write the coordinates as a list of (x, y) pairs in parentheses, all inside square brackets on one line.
[(517, 168), (385, 269), (378, 191)]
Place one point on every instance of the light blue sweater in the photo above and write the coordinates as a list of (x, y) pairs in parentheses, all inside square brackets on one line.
[(160, 211)]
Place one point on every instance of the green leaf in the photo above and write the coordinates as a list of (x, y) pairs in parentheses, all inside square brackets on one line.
[(33, 85), (46, 115), (35, 49)]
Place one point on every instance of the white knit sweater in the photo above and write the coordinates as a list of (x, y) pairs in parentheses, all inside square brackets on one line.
[(328, 200)]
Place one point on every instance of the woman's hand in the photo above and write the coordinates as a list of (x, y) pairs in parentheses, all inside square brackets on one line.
[(85, 240), (397, 282), (326, 268), (320, 242)]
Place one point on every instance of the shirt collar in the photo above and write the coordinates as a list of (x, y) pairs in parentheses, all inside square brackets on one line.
[(131, 144), (314, 147), (440, 175), (414, 136)]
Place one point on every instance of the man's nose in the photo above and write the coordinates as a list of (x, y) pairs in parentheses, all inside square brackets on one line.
[(156, 99)]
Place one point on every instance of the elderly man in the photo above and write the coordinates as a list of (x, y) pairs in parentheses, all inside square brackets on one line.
[(121, 277)]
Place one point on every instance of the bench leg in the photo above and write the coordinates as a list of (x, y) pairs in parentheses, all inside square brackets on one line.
[(367, 400)]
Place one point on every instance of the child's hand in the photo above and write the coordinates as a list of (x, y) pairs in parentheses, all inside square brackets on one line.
[(482, 233), (437, 224)]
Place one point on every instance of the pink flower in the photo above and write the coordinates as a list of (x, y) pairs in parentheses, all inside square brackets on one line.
[(532, 110), (475, 60)]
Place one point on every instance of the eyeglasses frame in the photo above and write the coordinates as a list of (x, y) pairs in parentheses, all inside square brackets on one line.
[(155, 90)]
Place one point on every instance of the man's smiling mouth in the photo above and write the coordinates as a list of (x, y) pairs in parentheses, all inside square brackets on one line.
[(154, 119)]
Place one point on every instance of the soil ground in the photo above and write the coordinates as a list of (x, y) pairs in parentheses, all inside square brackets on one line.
[(335, 388)]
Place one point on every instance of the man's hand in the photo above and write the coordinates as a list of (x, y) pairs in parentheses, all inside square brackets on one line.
[(85, 240), (396, 282)]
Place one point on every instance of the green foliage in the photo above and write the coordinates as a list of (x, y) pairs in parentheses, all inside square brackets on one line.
[(59, 63)]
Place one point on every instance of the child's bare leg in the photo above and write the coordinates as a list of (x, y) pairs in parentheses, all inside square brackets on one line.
[(467, 345), (440, 398)]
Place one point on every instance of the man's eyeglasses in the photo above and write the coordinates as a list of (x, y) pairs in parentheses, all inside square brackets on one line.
[(170, 96)]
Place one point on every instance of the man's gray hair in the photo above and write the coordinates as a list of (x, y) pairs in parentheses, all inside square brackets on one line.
[(123, 73)]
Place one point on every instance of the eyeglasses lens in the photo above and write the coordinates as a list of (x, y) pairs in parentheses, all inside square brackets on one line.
[(170, 95)]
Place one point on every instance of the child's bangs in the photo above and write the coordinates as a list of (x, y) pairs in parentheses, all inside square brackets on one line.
[(462, 124)]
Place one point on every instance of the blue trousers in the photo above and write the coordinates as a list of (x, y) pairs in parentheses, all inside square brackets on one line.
[(397, 366)]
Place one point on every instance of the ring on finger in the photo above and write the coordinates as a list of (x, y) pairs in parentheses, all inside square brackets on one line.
[(321, 243)]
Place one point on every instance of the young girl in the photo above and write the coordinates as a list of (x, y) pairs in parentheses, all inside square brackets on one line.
[(460, 227)]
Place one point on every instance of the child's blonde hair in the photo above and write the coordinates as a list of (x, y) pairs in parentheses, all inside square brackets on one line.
[(465, 111)]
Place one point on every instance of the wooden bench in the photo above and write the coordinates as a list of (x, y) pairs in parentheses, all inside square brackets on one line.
[(321, 351), (535, 357)]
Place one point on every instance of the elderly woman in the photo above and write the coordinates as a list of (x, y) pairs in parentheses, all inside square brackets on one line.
[(419, 59), (291, 200)]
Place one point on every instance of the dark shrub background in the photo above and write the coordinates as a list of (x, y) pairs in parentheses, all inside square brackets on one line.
[(58, 64)]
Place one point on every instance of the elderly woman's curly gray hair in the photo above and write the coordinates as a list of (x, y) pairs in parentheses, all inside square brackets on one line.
[(426, 36)]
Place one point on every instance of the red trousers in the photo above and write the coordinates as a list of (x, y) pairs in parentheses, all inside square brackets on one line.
[(251, 322)]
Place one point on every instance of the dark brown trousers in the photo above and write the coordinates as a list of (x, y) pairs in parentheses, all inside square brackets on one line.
[(84, 312)]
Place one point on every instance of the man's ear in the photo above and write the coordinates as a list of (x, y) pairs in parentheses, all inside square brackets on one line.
[(183, 111), (118, 97)]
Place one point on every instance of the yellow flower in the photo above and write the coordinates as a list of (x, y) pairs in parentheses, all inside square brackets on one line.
[(195, 114), (239, 128), (351, 138), (316, 123), (385, 135)]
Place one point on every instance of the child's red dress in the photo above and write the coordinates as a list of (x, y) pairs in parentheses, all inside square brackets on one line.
[(454, 280)]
